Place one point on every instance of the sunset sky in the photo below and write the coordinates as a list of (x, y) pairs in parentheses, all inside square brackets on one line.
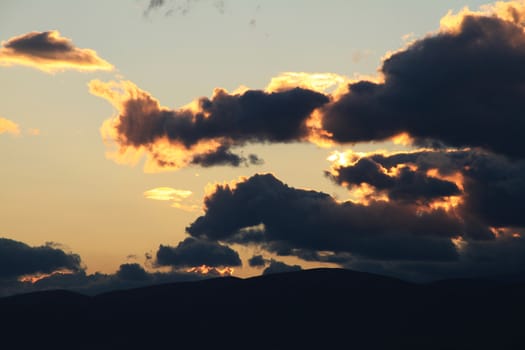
[(165, 135)]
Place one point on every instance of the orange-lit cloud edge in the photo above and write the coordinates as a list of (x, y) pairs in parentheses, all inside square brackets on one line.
[(51, 60)]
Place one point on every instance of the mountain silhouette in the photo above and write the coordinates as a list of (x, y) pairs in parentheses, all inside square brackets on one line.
[(317, 308)]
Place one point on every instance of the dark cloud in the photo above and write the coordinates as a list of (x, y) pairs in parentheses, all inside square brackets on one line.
[(502, 259), (223, 156), (128, 276), (25, 269), (132, 272), (279, 267), (257, 261), (50, 52), (494, 185), (309, 220), (205, 133), (18, 259), (181, 7), (460, 87), (405, 185), (193, 252), (480, 235)]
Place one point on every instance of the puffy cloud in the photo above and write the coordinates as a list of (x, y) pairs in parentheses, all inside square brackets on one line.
[(204, 132), (49, 52), (18, 259), (292, 219), (8, 126), (193, 252), (132, 272), (460, 87)]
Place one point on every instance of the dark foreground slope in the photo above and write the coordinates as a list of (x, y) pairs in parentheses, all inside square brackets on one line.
[(321, 308)]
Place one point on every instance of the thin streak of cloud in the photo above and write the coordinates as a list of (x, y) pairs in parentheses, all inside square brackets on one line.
[(167, 194)]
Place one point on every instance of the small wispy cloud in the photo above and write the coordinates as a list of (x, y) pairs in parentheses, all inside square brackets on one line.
[(177, 196), (167, 194), (8, 126)]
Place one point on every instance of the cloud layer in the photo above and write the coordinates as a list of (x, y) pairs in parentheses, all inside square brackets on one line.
[(25, 269), (49, 52), (398, 235)]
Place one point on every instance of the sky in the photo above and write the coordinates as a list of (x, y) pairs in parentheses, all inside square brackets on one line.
[(147, 141)]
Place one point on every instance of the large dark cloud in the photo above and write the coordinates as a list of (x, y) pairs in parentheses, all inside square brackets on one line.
[(206, 133), (480, 235), (48, 51), (309, 220), (193, 252), (18, 259), (460, 87)]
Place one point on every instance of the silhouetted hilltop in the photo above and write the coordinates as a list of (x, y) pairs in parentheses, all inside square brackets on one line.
[(319, 308)]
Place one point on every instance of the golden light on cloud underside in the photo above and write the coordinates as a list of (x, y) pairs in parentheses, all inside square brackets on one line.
[(364, 193), (206, 270), (33, 278), (8, 126), (57, 53)]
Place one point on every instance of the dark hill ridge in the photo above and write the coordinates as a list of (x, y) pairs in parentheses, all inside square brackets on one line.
[(319, 308)]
